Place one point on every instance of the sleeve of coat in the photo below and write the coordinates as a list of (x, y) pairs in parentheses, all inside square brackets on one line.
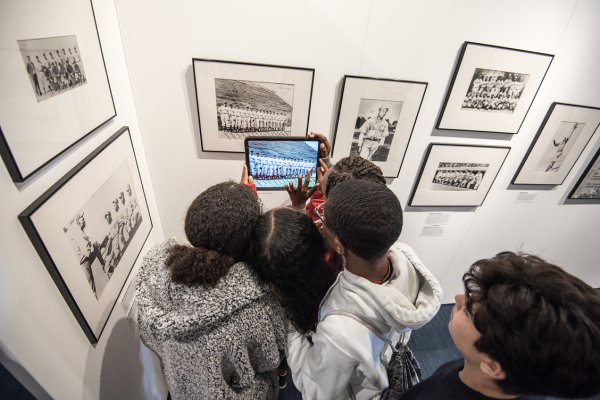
[(320, 370)]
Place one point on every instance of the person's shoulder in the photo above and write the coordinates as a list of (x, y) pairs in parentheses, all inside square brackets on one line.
[(440, 385)]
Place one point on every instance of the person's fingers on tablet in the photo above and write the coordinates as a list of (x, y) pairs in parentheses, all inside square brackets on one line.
[(306, 180), (325, 145), (323, 165), (244, 174), (251, 180)]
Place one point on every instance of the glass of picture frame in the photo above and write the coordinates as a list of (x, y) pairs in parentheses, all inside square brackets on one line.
[(376, 118), (564, 133), (89, 229), (55, 88), (492, 88), (237, 100), (457, 175), (588, 185)]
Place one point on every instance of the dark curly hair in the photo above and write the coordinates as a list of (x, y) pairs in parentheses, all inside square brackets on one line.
[(287, 251), (218, 224), (541, 324), (365, 216), (353, 167)]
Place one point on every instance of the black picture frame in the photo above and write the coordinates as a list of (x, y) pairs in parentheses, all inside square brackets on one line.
[(17, 173), (526, 173), (396, 95), (485, 58), (26, 218), (593, 164), (206, 96), (427, 172)]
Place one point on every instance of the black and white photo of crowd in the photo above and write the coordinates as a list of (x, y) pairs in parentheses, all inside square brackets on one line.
[(494, 91), (560, 146), (458, 176), (246, 108), (101, 231), (54, 65)]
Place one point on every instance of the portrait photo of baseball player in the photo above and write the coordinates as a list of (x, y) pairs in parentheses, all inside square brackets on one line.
[(559, 147), (53, 65), (103, 228), (494, 91), (374, 129), (458, 176), (246, 108)]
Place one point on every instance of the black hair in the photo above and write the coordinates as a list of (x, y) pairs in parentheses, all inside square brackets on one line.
[(287, 250), (218, 224), (365, 216), (541, 324), (353, 167)]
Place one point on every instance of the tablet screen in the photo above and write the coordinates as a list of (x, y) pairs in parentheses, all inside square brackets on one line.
[(274, 162)]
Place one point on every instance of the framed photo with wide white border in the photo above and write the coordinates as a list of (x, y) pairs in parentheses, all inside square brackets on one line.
[(237, 100), (588, 186), (55, 88), (89, 229), (457, 175), (492, 88), (564, 133), (376, 119)]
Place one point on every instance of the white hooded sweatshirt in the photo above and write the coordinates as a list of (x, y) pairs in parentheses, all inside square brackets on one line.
[(344, 351)]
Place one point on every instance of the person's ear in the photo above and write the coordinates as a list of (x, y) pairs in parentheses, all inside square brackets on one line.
[(492, 368), (339, 247)]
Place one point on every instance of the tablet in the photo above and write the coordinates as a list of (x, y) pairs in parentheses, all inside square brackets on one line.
[(275, 161)]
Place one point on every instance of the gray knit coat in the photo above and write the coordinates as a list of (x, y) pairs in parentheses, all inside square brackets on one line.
[(220, 343)]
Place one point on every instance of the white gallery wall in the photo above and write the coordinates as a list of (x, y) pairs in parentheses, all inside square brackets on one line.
[(148, 49), (41, 343), (418, 41)]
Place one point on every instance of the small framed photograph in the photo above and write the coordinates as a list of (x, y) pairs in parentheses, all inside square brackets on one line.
[(492, 88), (89, 229), (457, 175), (239, 100), (376, 119), (588, 186), (55, 88), (564, 133)]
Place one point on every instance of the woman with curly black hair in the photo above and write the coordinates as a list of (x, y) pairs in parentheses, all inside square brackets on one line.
[(287, 250), (213, 322)]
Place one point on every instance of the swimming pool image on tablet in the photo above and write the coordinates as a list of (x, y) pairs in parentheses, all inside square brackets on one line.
[(273, 163)]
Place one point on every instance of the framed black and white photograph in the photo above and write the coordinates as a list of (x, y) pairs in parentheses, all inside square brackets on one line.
[(376, 119), (239, 100), (588, 186), (89, 229), (457, 175), (564, 133), (55, 88), (492, 88)]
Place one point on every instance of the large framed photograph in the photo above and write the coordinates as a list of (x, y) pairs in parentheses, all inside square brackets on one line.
[(588, 186), (238, 100), (564, 133), (492, 88), (376, 119), (55, 88), (457, 175), (89, 229)]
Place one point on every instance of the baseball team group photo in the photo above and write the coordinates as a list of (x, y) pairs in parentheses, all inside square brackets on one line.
[(54, 65), (494, 91), (253, 108)]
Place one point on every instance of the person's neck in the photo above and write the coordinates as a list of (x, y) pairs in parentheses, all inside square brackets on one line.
[(472, 376), (374, 270)]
